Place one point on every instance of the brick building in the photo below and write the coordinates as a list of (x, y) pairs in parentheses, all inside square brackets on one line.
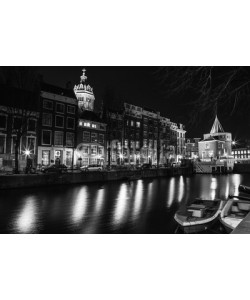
[(57, 125)]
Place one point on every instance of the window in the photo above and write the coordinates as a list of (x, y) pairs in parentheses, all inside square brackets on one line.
[(68, 160), (70, 123), (132, 123), (45, 157), (32, 125), (132, 144), (207, 146), (60, 108), (48, 104), (86, 136), (70, 139), (101, 138), (59, 121), (126, 144), (86, 124), (145, 133), (138, 124), (93, 149), (58, 140), (31, 144), (3, 122), (17, 123), (144, 143), (85, 161), (2, 144), (46, 137), (85, 149), (93, 161), (93, 125), (70, 109), (101, 150), (47, 119), (94, 137)]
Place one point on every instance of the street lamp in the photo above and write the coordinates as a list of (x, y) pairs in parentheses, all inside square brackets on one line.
[(27, 154)]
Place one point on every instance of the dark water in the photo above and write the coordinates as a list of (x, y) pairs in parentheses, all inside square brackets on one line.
[(143, 206)]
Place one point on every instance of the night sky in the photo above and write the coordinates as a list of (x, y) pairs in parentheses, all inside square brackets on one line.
[(140, 86)]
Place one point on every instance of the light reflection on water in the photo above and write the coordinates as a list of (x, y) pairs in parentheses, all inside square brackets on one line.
[(27, 217), (142, 206)]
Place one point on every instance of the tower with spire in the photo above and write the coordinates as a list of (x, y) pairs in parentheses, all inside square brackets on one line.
[(84, 93), (217, 143)]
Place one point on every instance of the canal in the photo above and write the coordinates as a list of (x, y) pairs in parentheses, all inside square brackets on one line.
[(142, 206)]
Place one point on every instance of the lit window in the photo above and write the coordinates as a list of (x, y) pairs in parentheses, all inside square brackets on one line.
[(93, 149), (132, 123), (138, 124), (86, 124), (94, 137), (93, 125)]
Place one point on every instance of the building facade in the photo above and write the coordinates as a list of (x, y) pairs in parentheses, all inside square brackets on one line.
[(19, 114), (91, 130), (57, 126), (192, 148), (215, 144), (137, 135)]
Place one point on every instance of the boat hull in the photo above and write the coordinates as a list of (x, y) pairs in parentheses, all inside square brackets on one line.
[(197, 228)]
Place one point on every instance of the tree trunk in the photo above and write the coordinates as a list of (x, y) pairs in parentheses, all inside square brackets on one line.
[(17, 146)]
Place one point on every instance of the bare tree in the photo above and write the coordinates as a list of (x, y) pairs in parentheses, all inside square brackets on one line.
[(211, 87)]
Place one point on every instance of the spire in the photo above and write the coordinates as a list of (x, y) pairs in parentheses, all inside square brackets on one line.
[(83, 77), (216, 126)]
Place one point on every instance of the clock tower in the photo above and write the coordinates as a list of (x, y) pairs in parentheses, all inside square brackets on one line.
[(84, 94)]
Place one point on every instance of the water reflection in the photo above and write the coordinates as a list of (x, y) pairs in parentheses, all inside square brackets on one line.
[(121, 205), (138, 199), (171, 193), (181, 189), (80, 205), (142, 206), (26, 219)]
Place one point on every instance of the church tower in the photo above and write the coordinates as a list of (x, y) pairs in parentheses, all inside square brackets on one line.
[(84, 94)]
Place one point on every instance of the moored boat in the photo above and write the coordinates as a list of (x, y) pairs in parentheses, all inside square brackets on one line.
[(199, 216), (244, 189), (234, 211)]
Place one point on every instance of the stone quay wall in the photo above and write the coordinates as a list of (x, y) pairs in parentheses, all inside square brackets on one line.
[(37, 180)]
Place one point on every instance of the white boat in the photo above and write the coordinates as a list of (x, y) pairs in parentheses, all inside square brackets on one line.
[(235, 210), (199, 216)]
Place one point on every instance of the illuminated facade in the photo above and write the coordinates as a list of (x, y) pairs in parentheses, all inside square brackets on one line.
[(216, 144), (192, 148), (137, 135), (91, 131)]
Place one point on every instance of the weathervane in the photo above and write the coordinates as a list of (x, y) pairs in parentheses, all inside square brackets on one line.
[(83, 77)]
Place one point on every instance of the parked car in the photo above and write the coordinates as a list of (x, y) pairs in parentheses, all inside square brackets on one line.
[(92, 167), (55, 169)]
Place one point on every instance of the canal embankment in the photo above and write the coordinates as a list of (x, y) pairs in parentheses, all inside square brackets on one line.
[(36, 180)]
